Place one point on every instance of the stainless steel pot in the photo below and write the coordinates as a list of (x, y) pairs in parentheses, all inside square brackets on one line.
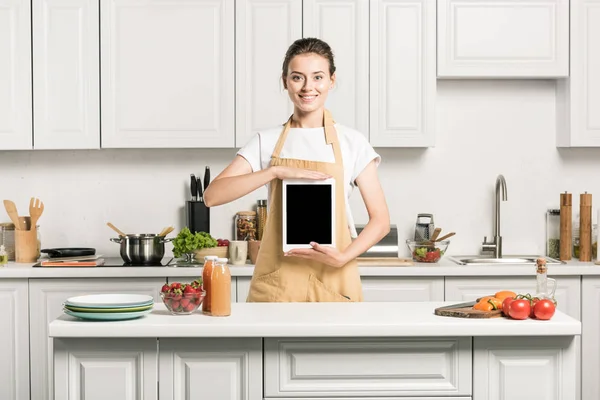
[(143, 249)]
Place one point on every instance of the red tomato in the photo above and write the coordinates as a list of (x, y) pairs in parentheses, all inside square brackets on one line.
[(544, 309), (519, 309), (506, 305), (534, 301)]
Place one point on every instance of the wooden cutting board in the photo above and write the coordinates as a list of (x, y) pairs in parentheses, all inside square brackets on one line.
[(384, 261), (465, 310)]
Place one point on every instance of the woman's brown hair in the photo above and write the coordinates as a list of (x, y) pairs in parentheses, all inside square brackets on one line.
[(305, 46)]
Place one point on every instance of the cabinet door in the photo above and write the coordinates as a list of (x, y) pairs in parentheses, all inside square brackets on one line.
[(46, 297), (14, 340), (578, 98), (590, 348), (264, 30), (224, 369), (403, 289), (15, 75), (348, 37), (503, 38), (100, 369), (167, 73), (403, 76), (243, 288), (66, 74), (567, 294)]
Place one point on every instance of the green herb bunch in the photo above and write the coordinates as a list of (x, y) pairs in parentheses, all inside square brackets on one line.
[(187, 242)]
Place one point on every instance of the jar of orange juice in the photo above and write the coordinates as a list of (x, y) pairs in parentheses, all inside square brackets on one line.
[(209, 262), (220, 285)]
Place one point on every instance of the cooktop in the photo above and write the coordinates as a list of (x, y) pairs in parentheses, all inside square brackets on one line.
[(118, 262)]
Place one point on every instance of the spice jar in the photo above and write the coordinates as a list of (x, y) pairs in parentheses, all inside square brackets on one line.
[(7, 239), (595, 241), (261, 211), (553, 233), (245, 225), (576, 236), (220, 286), (209, 262)]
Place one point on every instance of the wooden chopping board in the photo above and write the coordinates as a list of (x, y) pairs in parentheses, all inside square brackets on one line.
[(384, 261), (465, 310)]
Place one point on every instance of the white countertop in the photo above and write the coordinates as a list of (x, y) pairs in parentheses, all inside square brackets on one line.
[(315, 320), (444, 268)]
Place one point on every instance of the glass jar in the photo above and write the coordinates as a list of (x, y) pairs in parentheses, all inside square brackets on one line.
[(7, 238), (576, 237), (245, 225), (261, 211), (553, 233), (220, 286), (209, 262), (595, 242)]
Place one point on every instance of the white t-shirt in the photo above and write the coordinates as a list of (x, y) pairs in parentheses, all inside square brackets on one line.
[(309, 144)]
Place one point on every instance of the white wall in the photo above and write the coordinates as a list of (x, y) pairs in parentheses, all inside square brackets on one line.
[(484, 128)]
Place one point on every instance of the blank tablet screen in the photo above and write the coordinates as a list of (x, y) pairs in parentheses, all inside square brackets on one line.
[(308, 214)]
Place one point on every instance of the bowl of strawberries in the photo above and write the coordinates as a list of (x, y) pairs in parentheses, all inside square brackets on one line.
[(183, 298)]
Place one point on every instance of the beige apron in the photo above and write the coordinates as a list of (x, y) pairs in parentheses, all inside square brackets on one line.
[(278, 278)]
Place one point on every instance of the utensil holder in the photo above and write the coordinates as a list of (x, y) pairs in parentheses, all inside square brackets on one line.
[(27, 249), (197, 216)]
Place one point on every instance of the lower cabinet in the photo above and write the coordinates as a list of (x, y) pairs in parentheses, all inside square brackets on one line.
[(223, 369), (590, 346), (14, 340), (46, 297)]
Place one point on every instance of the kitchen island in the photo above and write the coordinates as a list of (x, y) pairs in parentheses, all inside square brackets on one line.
[(316, 351)]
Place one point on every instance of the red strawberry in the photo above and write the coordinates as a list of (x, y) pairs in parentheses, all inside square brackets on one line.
[(190, 306), (175, 285), (176, 294), (175, 305), (189, 289), (185, 302), (165, 288)]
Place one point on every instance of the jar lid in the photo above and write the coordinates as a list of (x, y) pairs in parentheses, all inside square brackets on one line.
[(554, 212), (9, 226), (247, 213), (212, 258), (223, 260), (262, 203)]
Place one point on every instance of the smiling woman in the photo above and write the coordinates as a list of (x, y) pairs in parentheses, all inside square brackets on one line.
[(310, 146)]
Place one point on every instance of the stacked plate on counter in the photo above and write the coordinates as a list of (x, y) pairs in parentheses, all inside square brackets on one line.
[(109, 307)]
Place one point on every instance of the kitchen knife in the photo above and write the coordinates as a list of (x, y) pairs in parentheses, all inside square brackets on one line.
[(194, 187), (199, 188), (206, 177)]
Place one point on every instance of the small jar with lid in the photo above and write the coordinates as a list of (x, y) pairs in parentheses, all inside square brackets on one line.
[(261, 212), (245, 225), (595, 241), (553, 233), (7, 239), (220, 286), (209, 263), (576, 237)]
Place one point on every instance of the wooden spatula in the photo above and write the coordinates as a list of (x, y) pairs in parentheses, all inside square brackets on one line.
[(114, 228), (11, 210), (36, 208)]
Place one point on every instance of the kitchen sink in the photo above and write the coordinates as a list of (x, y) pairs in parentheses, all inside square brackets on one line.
[(505, 260)]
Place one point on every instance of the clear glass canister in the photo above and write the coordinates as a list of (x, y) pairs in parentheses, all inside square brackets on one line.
[(261, 211), (7, 238), (576, 236), (595, 241), (245, 225), (553, 233)]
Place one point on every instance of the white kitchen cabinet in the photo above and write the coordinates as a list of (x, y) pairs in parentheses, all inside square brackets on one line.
[(14, 340), (15, 75), (242, 288), (402, 73), (224, 369), (590, 347), (524, 368), (167, 73), (503, 38), (578, 98), (338, 367), (66, 74), (46, 297), (403, 289), (344, 25), (264, 31), (568, 291), (100, 369)]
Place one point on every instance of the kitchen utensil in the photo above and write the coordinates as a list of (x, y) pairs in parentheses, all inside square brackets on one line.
[(194, 187), (197, 216), (200, 189), (424, 227), (166, 231), (585, 227), (69, 252), (174, 303), (11, 210), (238, 252), (114, 228), (206, 177), (436, 233), (36, 208), (465, 310), (566, 226), (27, 248), (445, 236), (425, 253), (143, 249)]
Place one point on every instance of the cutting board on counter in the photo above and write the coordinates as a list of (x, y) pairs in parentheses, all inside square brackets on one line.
[(465, 310), (384, 261)]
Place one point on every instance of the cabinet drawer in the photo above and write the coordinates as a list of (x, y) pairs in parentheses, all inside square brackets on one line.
[(369, 367)]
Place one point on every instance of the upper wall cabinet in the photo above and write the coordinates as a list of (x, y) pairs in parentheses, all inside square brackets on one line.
[(402, 69), (167, 70), (578, 97), (15, 75), (503, 38), (264, 30), (66, 76), (348, 37)]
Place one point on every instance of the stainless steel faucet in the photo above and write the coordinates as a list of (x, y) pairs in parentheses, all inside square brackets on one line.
[(496, 245)]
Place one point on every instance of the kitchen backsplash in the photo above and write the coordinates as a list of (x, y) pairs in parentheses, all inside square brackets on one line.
[(484, 128)]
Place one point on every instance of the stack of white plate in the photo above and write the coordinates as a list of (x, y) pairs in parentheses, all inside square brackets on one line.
[(109, 307)]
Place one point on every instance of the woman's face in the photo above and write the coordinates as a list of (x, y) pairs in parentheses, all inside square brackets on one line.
[(308, 82)]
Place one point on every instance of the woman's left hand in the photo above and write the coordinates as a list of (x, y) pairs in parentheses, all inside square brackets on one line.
[(324, 254)]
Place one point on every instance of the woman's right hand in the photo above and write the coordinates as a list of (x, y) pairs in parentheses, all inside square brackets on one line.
[(298, 173)]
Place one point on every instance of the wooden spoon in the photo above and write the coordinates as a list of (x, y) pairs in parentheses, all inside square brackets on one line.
[(36, 208), (114, 228), (446, 236), (436, 233), (166, 231), (11, 210)]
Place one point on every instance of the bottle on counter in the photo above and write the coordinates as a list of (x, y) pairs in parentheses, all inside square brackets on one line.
[(553, 233), (595, 241), (566, 226), (542, 281), (209, 262), (220, 284), (3, 256), (261, 213)]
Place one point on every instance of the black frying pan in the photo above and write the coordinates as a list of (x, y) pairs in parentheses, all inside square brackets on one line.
[(69, 252)]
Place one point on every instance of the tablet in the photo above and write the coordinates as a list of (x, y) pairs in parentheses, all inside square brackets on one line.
[(308, 213)]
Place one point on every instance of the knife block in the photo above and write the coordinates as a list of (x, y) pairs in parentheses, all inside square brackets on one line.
[(27, 249), (197, 216)]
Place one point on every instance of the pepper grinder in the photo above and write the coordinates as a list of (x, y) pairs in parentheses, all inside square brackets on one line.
[(585, 227), (566, 211)]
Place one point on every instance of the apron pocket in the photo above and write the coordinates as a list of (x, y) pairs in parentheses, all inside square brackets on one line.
[(265, 288), (319, 292)]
